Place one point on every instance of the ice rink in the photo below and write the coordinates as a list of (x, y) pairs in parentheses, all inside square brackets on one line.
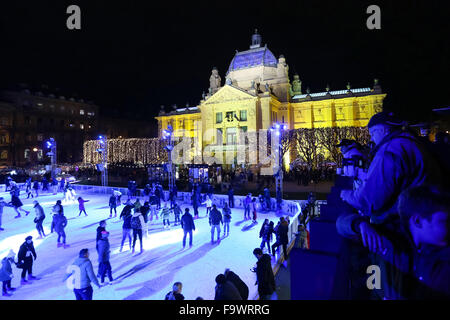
[(149, 275)]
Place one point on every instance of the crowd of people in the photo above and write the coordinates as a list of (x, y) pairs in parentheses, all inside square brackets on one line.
[(136, 219)]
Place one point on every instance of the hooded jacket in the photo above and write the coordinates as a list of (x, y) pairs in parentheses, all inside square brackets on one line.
[(6, 270), (215, 217), (238, 283), (60, 221), (137, 221), (227, 291), (103, 249), (187, 222), (264, 275)]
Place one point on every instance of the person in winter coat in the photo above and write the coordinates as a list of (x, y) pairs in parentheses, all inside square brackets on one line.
[(17, 204), (101, 227), (82, 267), (126, 227), (44, 184), (57, 208), (301, 237), (247, 204), (195, 202), (400, 161), (267, 198), (137, 224), (238, 283), (231, 197), (25, 260), (158, 197), (215, 219), (225, 290), (266, 234), (254, 210), (6, 273), (175, 294), (81, 202), (187, 223), (165, 213), (226, 212), (60, 223), (177, 212), (2, 205), (36, 188), (264, 275), (282, 237), (40, 216), (112, 205), (208, 203), (28, 189), (103, 257)]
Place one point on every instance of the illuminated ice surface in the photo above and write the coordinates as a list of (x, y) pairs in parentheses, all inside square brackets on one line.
[(149, 275)]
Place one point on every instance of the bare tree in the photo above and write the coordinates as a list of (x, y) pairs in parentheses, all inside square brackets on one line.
[(307, 145)]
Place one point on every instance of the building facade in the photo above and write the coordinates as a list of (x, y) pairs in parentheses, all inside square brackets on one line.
[(30, 117), (258, 93)]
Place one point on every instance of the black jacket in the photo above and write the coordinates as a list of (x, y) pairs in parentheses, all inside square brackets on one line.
[(126, 210), (264, 275), (215, 217), (24, 248), (227, 291), (187, 222), (238, 283)]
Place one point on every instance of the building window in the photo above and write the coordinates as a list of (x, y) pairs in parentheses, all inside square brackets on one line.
[(40, 104), (52, 107), (39, 154), (4, 155), (243, 115), (219, 136), (282, 119), (231, 136), (63, 108), (219, 117), (26, 154), (40, 137), (82, 126), (81, 112)]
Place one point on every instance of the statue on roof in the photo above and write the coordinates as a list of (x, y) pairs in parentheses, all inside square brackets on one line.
[(296, 86), (214, 80)]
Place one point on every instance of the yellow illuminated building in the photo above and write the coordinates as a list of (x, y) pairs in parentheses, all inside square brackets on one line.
[(258, 93)]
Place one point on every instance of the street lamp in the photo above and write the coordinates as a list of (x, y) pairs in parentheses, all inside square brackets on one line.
[(168, 136), (51, 144), (278, 130), (103, 151)]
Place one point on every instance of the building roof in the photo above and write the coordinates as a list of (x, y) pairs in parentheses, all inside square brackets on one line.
[(252, 58), (333, 94)]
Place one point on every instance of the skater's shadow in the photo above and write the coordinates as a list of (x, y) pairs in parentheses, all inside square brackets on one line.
[(135, 269), (248, 227), (106, 207), (90, 225), (240, 222)]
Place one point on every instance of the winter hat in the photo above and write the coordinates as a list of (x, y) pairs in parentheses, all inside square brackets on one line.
[(220, 279), (28, 238), (386, 118)]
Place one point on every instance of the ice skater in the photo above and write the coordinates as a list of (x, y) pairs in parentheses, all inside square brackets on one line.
[(126, 227), (81, 202), (137, 224), (28, 189), (266, 234), (6, 274), (57, 208), (25, 260), (36, 188), (177, 212), (187, 224), (17, 204), (165, 213), (39, 219), (208, 203), (60, 222), (226, 212), (103, 257), (254, 210), (215, 219), (2, 205), (112, 205), (247, 204)]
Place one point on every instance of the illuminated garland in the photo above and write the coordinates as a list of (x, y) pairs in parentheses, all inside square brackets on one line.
[(135, 150)]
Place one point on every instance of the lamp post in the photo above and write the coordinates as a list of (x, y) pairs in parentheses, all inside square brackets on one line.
[(51, 144), (103, 151), (278, 130), (168, 136)]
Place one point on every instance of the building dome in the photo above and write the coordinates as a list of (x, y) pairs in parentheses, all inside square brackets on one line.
[(253, 58)]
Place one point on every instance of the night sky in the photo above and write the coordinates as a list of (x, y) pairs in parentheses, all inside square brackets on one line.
[(138, 55)]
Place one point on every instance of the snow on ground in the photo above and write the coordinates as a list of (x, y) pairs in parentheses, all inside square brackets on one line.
[(149, 275)]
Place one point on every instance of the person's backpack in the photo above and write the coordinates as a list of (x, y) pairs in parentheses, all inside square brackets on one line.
[(135, 223)]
